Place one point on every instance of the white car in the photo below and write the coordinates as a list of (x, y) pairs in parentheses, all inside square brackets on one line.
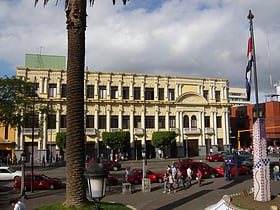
[(8, 173)]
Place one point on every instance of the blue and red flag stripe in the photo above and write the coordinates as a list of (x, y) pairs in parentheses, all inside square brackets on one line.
[(248, 75)]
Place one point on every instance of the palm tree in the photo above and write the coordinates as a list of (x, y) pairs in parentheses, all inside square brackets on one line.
[(75, 139)]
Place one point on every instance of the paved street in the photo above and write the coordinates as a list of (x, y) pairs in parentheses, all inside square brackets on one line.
[(194, 197)]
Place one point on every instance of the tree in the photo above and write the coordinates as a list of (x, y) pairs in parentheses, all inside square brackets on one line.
[(60, 140), (116, 140), (13, 98), (75, 140), (163, 139)]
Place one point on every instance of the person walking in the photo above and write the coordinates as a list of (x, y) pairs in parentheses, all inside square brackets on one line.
[(165, 182), (276, 172), (127, 173), (170, 184), (189, 176), (180, 180), (199, 177)]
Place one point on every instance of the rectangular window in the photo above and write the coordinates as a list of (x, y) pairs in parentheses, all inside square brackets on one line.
[(51, 121), (125, 122), (102, 92), (102, 122), (114, 92), (90, 91), (137, 93), (125, 92), (219, 122), (63, 91), (6, 132), (28, 122), (137, 122), (149, 93), (62, 121), (218, 96), (205, 94), (172, 122), (90, 121), (161, 94), (171, 94), (114, 122), (52, 90), (161, 122), (150, 122), (207, 121)]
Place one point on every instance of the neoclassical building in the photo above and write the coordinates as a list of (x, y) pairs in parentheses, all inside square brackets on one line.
[(197, 109)]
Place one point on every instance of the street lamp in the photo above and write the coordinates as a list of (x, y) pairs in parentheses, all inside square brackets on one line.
[(22, 188), (144, 157), (96, 178)]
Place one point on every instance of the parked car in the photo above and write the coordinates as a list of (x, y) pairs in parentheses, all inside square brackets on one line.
[(242, 170), (206, 170), (110, 165), (215, 157), (40, 181), (8, 173), (136, 176), (231, 159), (112, 180)]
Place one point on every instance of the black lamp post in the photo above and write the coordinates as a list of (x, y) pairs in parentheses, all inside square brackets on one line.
[(22, 187), (96, 177)]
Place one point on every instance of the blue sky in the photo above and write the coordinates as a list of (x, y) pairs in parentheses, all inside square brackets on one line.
[(204, 38)]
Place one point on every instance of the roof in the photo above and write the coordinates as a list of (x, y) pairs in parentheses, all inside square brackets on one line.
[(45, 61)]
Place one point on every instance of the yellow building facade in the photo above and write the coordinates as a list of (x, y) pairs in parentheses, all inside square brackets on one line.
[(197, 109), (7, 145)]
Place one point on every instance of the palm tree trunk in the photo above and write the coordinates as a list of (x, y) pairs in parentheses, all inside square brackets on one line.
[(75, 150)]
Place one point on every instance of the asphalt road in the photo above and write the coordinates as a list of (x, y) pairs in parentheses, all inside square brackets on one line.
[(194, 197)]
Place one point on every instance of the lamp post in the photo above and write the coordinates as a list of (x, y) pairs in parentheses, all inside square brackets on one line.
[(96, 178), (144, 157), (22, 187)]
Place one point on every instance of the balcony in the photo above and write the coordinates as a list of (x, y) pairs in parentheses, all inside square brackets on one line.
[(115, 129), (91, 131), (191, 131), (209, 131), (28, 131), (139, 131), (177, 130)]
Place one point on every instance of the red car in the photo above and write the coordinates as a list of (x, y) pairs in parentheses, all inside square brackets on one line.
[(112, 180), (40, 181), (242, 170), (215, 157), (110, 165), (136, 176)]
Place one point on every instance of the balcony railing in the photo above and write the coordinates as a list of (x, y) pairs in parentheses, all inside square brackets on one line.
[(191, 131), (115, 129), (138, 131), (177, 130), (28, 131), (91, 131), (209, 131)]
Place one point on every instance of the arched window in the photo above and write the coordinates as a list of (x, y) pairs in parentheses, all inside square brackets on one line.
[(186, 122), (193, 122)]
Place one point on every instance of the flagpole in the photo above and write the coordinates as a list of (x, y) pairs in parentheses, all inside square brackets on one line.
[(250, 17)]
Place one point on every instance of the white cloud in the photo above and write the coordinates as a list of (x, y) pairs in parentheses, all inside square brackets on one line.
[(205, 38)]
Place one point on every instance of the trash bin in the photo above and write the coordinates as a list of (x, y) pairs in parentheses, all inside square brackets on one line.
[(146, 185), (126, 188)]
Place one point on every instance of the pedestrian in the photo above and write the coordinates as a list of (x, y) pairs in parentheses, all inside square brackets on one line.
[(43, 161), (170, 184), (165, 182), (127, 173), (226, 168), (199, 177), (17, 204), (180, 177), (189, 176), (276, 173)]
